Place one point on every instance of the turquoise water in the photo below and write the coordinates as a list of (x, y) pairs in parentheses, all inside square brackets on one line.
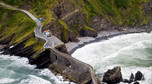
[(133, 52), (16, 70)]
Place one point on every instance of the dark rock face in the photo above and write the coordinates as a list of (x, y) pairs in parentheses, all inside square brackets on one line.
[(62, 48), (139, 76), (99, 23), (130, 80), (6, 40), (42, 60), (1, 47), (88, 33), (113, 76), (136, 83), (132, 77)]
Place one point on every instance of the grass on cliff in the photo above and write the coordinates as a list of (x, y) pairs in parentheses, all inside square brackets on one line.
[(65, 29), (118, 12), (20, 25), (40, 8)]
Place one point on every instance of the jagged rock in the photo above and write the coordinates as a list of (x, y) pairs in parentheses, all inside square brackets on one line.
[(42, 60), (6, 40), (98, 81), (136, 83), (126, 81), (72, 37), (132, 77), (113, 76), (139, 76), (1, 47), (130, 80)]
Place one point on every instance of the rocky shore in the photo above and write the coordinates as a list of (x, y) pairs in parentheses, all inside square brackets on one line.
[(114, 76), (43, 60), (67, 25)]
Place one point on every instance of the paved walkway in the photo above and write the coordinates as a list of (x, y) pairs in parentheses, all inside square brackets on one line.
[(51, 42)]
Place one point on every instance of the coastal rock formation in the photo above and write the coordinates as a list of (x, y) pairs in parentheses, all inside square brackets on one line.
[(69, 22), (1, 47), (113, 76), (130, 80), (56, 60), (139, 76)]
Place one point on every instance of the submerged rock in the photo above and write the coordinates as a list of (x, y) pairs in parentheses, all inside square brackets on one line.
[(113, 76), (130, 80)]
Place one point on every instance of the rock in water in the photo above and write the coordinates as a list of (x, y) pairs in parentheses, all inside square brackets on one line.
[(113, 76), (139, 76), (136, 82), (131, 77)]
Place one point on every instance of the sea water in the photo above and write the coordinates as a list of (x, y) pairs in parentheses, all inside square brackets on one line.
[(16, 70), (133, 52)]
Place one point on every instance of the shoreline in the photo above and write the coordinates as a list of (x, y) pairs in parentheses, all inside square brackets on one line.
[(104, 35)]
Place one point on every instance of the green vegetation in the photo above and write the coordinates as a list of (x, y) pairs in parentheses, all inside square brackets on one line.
[(65, 29), (40, 8), (13, 2), (119, 12), (20, 25), (85, 27), (116, 11)]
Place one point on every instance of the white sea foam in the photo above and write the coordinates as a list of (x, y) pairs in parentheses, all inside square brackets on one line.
[(127, 51), (19, 69), (6, 80), (34, 80)]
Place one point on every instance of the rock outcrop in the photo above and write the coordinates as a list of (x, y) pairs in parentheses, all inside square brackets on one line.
[(113, 76), (132, 78), (139, 76)]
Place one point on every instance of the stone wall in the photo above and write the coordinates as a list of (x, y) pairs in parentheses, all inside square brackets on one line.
[(69, 67)]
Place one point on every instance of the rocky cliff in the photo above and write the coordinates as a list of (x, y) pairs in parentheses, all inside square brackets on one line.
[(67, 20)]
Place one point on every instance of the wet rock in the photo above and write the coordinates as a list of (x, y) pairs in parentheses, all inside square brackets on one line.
[(130, 80), (126, 81), (136, 83), (113, 76), (132, 77), (139, 76)]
